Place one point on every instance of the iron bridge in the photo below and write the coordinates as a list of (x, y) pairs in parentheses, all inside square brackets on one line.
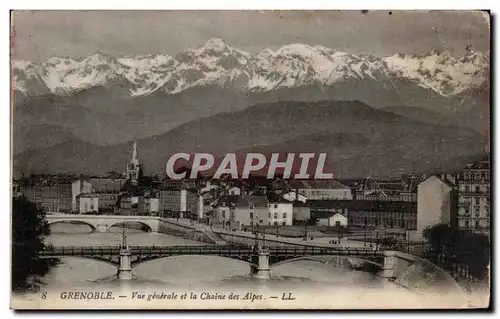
[(139, 254)]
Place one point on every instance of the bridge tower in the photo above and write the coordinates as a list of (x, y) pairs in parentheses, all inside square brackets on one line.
[(261, 269), (125, 268)]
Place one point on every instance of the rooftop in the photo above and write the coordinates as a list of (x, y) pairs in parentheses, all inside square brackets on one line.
[(481, 165), (317, 184)]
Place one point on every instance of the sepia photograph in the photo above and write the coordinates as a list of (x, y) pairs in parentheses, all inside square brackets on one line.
[(250, 160)]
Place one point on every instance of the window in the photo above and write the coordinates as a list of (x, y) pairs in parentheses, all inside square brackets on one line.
[(487, 212), (284, 215), (476, 211), (476, 200), (275, 206), (466, 188), (467, 223), (251, 215), (275, 223), (261, 221), (477, 189), (269, 214), (275, 215), (284, 223), (477, 224)]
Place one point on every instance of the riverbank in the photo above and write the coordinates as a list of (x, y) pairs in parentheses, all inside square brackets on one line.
[(310, 240)]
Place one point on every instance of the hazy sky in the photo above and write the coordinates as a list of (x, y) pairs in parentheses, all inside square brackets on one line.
[(40, 35)]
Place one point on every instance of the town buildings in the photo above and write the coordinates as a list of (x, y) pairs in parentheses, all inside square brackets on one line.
[(412, 203)]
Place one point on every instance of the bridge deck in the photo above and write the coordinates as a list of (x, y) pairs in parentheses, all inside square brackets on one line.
[(203, 250)]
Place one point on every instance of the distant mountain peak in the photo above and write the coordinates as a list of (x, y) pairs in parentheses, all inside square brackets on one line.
[(215, 44), (218, 63)]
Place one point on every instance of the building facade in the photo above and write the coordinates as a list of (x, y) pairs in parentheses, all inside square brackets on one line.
[(389, 214), (335, 220), (88, 203), (474, 201), (436, 202), (79, 186), (53, 196), (177, 199), (402, 215), (250, 211), (322, 190), (280, 213)]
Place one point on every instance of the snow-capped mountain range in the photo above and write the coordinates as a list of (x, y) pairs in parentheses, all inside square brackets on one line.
[(217, 63)]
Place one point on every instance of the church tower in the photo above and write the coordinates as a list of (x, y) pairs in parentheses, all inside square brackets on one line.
[(133, 169)]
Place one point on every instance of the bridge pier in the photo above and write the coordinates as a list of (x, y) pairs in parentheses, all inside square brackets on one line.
[(262, 270), (125, 268), (388, 269), (102, 228)]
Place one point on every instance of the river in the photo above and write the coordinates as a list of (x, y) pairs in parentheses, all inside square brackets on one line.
[(343, 287)]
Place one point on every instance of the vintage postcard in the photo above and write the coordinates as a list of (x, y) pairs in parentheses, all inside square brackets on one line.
[(250, 159)]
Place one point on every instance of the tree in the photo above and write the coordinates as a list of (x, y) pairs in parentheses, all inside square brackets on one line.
[(450, 246), (29, 227), (388, 242)]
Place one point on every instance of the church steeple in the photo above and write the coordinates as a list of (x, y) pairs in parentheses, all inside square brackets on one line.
[(134, 160), (133, 169)]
